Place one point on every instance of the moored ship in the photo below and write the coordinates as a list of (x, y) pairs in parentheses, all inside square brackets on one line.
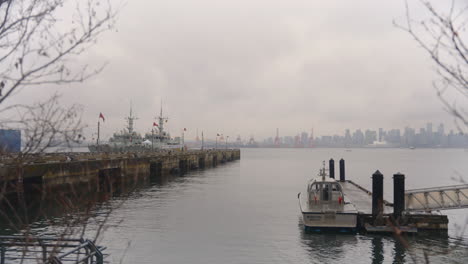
[(161, 139), (128, 140)]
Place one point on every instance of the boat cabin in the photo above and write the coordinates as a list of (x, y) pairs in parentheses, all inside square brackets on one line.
[(323, 191)]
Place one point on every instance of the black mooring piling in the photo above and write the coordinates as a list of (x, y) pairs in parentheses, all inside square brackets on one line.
[(342, 170), (331, 168), (398, 194), (377, 193)]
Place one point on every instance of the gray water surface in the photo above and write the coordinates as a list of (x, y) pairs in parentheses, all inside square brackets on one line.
[(247, 211)]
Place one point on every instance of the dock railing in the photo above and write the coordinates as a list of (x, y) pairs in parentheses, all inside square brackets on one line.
[(49, 250), (438, 198)]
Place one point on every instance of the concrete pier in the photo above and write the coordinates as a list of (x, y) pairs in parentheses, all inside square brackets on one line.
[(59, 168)]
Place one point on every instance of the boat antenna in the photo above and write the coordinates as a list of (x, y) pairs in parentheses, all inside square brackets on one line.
[(323, 172), (160, 113)]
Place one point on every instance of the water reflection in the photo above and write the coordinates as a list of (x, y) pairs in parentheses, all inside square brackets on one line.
[(325, 247), (43, 205), (377, 250), (335, 247), (399, 251)]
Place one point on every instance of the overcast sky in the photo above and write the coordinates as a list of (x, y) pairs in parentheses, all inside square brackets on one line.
[(249, 67)]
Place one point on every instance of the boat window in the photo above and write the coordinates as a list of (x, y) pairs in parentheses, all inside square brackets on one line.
[(336, 187), (314, 187), (326, 192)]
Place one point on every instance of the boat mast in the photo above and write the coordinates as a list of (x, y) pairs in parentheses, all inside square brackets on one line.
[(130, 120), (161, 120)]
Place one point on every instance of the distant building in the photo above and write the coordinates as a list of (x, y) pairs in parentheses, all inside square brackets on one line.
[(347, 139), (358, 138), (381, 134), (10, 140), (288, 141), (393, 137), (429, 134), (409, 137), (441, 129), (370, 137), (305, 139)]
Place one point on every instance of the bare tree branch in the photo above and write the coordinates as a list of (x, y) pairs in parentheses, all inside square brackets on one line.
[(41, 42), (37, 43), (442, 35)]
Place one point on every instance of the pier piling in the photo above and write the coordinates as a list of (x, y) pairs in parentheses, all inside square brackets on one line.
[(398, 194), (331, 168), (342, 170), (155, 169), (377, 194)]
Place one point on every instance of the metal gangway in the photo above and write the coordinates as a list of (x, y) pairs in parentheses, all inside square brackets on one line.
[(438, 198), (49, 250)]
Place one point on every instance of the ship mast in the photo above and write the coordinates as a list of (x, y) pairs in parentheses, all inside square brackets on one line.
[(161, 120), (130, 120)]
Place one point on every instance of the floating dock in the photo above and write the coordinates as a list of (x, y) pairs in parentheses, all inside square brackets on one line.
[(411, 211), (409, 222)]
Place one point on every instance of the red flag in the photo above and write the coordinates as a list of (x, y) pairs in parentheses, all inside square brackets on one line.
[(102, 116), (154, 124)]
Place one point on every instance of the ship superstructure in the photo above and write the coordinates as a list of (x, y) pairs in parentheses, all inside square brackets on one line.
[(128, 140), (125, 140), (161, 138)]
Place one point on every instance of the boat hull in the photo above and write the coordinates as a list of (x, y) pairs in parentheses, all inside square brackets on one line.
[(334, 221), (345, 230)]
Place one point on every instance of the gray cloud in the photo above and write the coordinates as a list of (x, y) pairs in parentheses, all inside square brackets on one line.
[(247, 67)]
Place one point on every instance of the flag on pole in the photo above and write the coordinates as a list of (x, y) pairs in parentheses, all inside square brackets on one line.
[(154, 124), (102, 116)]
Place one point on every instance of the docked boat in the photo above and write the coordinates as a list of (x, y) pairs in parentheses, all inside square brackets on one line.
[(325, 208)]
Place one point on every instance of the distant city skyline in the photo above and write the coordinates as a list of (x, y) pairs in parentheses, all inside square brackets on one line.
[(427, 136)]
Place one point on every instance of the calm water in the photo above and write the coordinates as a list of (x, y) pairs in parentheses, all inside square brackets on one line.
[(247, 211)]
